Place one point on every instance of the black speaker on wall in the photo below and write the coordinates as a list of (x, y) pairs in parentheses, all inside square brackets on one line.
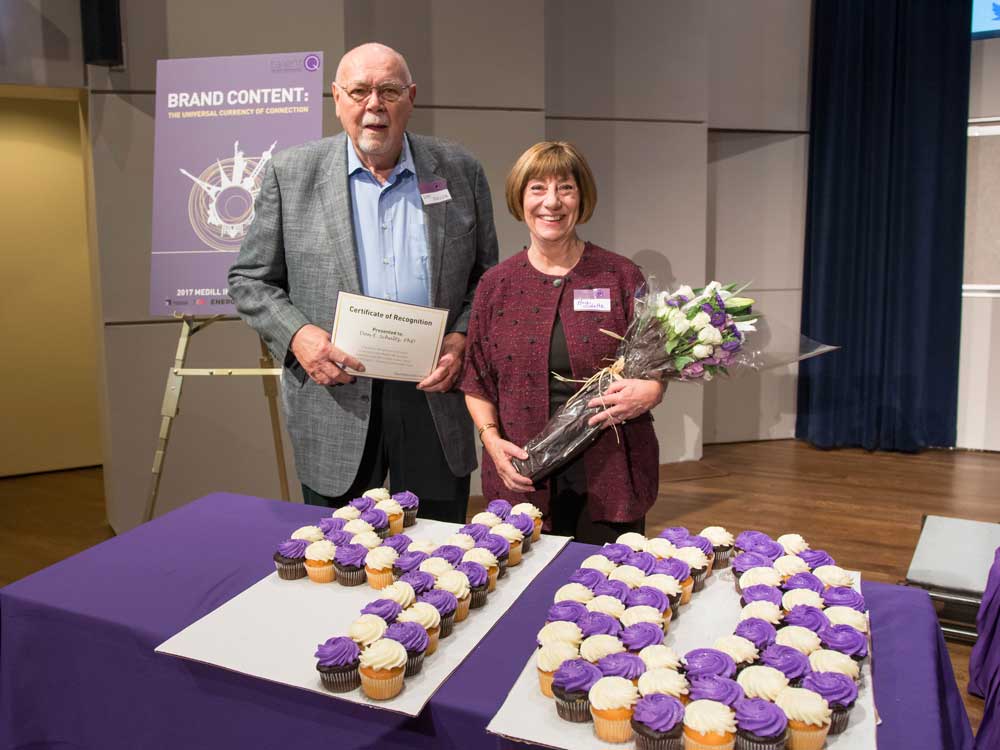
[(102, 32)]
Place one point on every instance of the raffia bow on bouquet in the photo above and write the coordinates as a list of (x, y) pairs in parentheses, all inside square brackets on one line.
[(690, 335)]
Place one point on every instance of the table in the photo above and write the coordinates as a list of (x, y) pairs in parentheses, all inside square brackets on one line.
[(77, 668)]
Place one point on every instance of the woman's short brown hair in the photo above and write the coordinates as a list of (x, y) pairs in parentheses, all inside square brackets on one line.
[(551, 159)]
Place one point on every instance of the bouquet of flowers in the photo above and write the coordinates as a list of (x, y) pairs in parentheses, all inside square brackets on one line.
[(687, 335)]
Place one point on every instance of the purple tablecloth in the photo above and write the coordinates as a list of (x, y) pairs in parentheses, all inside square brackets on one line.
[(77, 668), (984, 662)]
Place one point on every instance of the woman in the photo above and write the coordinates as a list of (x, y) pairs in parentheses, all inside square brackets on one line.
[(539, 312)]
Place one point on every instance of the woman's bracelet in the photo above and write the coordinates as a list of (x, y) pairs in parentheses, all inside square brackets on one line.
[(485, 427)]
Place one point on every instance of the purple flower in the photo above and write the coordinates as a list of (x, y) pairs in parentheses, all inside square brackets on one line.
[(731, 346), (707, 307), (693, 370)]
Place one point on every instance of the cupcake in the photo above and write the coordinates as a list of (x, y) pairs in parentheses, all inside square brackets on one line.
[(760, 593), (414, 639), (358, 526), (394, 514), (597, 623), (789, 565), (489, 561), (290, 558), (348, 513), (500, 508), (709, 725), (759, 632), (806, 581), (514, 539), (618, 589), (326, 525), (548, 659), (664, 681), (845, 639), (722, 545), (679, 570), (398, 542), (657, 722), (630, 575), (456, 583), (789, 661), (660, 657), (599, 563), (832, 575), (573, 592), (765, 611), (408, 562), (367, 629), (748, 561), (642, 613), (478, 580), (560, 631), (308, 533), (702, 662), (385, 609), (713, 688), (760, 725), (377, 494), (339, 536), (410, 503), (660, 548), (847, 616), (807, 617), (567, 610), (808, 718), (367, 539), (639, 635), (349, 560), (766, 547), (825, 660), (337, 664), (667, 585), (363, 503), (463, 541), (500, 548), (762, 682), (674, 533), (596, 647), (571, 684), (319, 561), (844, 596), (742, 650), (446, 604), (436, 566), (382, 666), (700, 543), (629, 666), (378, 566), (758, 577), (797, 637), (745, 539), (816, 558), (476, 530), (535, 513), (798, 597), (378, 520), (644, 561), (488, 519), (607, 605), (616, 552), (793, 544), (450, 552), (526, 525), (427, 617), (632, 540), (840, 692), (588, 577), (422, 545), (612, 700), (400, 592), (420, 581)]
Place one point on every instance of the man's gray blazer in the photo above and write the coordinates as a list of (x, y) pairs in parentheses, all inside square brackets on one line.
[(300, 253)]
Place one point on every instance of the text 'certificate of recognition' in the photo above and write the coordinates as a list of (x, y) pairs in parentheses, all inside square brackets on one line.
[(393, 340)]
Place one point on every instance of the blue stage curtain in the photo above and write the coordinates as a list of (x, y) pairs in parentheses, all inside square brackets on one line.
[(885, 223)]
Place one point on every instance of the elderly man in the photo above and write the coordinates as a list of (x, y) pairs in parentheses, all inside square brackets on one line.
[(348, 214)]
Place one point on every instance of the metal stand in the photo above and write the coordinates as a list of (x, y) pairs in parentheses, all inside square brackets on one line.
[(268, 373)]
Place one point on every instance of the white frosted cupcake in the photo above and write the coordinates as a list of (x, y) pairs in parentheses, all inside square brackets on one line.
[(758, 577), (378, 494), (796, 597), (761, 681), (797, 637), (573, 592), (487, 519), (793, 544), (535, 513), (319, 561), (395, 513), (709, 725), (630, 575), (489, 561), (308, 534), (612, 701), (378, 566), (606, 605), (827, 660), (548, 659), (382, 666), (456, 583), (436, 566), (664, 680), (348, 513), (846, 616), (400, 592), (808, 717), (722, 545), (357, 526), (600, 563), (596, 647), (833, 575), (660, 657), (367, 539), (767, 611), (514, 538), (742, 651), (698, 561), (367, 629), (632, 540), (463, 541), (660, 548), (789, 565), (641, 613), (560, 631), (427, 616)]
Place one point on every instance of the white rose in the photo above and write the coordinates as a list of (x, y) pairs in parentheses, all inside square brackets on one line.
[(709, 335), (681, 325), (711, 289), (701, 351), (700, 320), (685, 291)]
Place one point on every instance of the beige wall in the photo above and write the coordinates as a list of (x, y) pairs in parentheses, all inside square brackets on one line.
[(49, 380)]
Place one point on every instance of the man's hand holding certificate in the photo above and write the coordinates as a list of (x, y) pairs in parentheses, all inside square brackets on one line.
[(394, 340)]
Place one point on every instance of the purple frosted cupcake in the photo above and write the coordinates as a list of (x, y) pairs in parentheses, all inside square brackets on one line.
[(349, 560), (407, 562), (567, 610), (766, 547), (598, 623), (702, 662), (337, 663), (745, 539), (844, 596), (760, 593), (846, 640), (759, 632), (629, 666), (338, 538), (814, 558), (647, 595), (449, 552), (807, 617), (760, 725), (420, 582), (379, 520), (636, 637), (644, 561), (674, 567), (840, 692), (618, 589), (588, 577), (674, 534), (476, 530), (446, 604), (363, 503), (746, 560), (658, 721), (290, 559), (478, 581), (699, 542), (387, 609), (526, 525), (500, 548), (399, 542), (804, 581), (328, 524), (787, 660), (410, 503), (571, 685), (499, 508), (616, 553), (414, 639), (714, 688)]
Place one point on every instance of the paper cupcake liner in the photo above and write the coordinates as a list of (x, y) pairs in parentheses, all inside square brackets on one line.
[(536, 534), (692, 744), (447, 624), (396, 524), (491, 579), (699, 579), (526, 545), (723, 556), (770, 743), (838, 720), (806, 739), (711, 565), (545, 682), (612, 730), (414, 663), (383, 533), (650, 740), (514, 556), (502, 562), (687, 588), (321, 574), (577, 711), (478, 598), (387, 684), (433, 635), (342, 681), (409, 516), (290, 571), (379, 579), (462, 611), (351, 577)]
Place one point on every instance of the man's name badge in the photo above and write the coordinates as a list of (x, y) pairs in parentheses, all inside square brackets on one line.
[(434, 192), (592, 300)]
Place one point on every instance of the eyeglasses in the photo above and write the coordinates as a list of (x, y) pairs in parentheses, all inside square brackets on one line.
[(387, 92)]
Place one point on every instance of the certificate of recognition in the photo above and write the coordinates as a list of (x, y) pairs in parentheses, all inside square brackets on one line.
[(394, 340)]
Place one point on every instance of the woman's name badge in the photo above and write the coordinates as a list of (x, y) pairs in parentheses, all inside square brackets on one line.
[(592, 300), (434, 192)]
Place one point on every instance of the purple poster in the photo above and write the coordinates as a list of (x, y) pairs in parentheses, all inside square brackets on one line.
[(219, 120)]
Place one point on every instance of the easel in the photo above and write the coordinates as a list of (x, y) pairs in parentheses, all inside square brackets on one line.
[(269, 374)]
